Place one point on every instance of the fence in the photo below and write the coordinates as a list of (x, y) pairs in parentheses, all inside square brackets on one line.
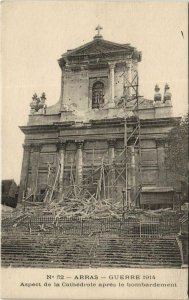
[(71, 226), (184, 224), (152, 227)]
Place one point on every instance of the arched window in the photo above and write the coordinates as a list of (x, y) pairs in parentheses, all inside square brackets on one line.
[(97, 94)]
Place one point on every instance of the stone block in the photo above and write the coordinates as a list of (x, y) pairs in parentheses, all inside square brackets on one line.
[(149, 177), (149, 155)]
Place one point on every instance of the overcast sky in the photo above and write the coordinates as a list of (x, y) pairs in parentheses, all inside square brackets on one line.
[(36, 33)]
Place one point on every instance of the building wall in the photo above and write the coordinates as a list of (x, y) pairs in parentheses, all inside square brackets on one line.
[(77, 85), (74, 139), (95, 148)]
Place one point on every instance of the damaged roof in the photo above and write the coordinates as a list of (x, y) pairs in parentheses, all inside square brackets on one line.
[(99, 48)]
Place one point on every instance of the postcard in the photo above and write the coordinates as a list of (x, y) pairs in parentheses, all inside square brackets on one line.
[(94, 150)]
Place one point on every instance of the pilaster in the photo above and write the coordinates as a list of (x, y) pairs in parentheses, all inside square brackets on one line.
[(79, 161), (160, 145), (111, 150), (24, 171), (36, 149), (111, 158), (112, 80), (61, 147)]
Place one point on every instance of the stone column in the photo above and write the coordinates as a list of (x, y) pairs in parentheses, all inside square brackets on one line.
[(79, 162), (112, 81), (111, 150), (160, 145), (35, 167), (24, 171), (111, 158), (61, 146)]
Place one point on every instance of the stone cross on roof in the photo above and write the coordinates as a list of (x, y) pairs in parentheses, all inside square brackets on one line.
[(99, 28)]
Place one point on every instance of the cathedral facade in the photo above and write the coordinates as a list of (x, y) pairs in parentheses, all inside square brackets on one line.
[(101, 135)]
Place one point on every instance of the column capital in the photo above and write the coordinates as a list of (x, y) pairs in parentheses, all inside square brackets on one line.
[(27, 147), (111, 143), (37, 147), (160, 143), (61, 145), (79, 144), (111, 65)]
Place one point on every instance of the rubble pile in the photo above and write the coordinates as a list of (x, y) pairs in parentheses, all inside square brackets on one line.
[(81, 203)]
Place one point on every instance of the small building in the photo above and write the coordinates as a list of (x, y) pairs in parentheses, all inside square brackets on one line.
[(9, 191), (100, 135), (157, 197)]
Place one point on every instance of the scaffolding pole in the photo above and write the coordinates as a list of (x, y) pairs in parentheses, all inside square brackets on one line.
[(122, 170), (136, 132)]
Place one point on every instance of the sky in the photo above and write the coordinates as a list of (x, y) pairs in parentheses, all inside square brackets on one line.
[(36, 33)]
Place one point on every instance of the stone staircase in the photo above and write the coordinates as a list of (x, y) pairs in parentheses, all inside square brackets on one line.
[(125, 251), (44, 250)]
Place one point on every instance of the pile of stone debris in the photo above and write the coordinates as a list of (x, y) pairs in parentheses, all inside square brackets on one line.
[(81, 203)]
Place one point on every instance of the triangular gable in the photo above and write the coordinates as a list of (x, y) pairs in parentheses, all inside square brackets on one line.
[(98, 46)]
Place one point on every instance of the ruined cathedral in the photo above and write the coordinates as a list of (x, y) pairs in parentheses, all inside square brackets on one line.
[(101, 135)]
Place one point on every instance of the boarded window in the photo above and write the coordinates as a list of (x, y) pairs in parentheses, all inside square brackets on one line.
[(97, 94)]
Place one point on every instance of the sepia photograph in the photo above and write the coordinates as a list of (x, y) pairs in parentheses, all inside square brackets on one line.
[(95, 146)]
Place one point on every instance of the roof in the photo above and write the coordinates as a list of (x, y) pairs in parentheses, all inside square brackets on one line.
[(100, 47), (156, 189)]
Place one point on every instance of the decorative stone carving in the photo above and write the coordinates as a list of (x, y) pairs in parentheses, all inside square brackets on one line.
[(79, 144), (167, 94), (157, 95), (38, 103), (111, 65), (42, 101), (61, 145), (35, 101)]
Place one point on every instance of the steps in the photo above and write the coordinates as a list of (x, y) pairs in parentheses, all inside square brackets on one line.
[(45, 250), (120, 251)]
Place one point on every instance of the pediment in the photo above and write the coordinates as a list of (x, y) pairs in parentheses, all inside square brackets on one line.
[(99, 46), (99, 49)]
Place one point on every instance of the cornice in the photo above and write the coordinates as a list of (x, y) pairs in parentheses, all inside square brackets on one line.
[(38, 128), (99, 123)]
